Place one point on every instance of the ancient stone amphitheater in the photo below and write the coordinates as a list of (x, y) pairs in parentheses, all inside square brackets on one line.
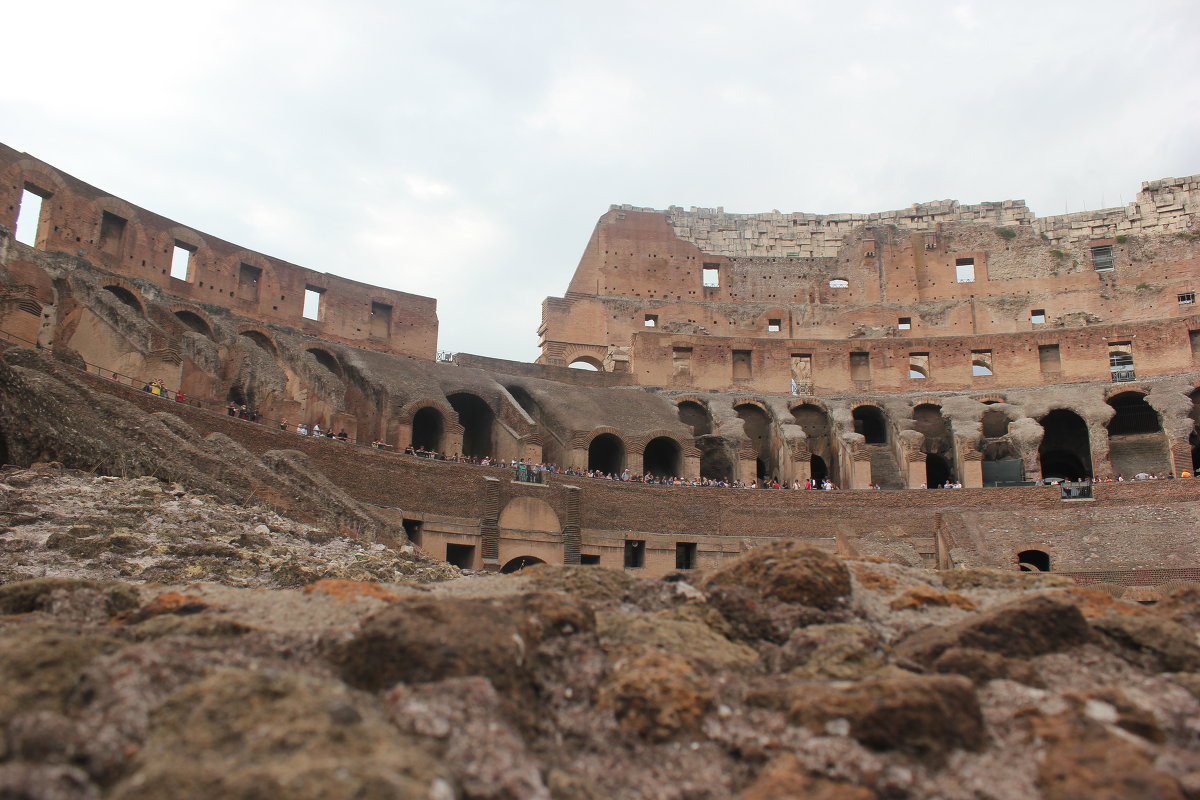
[(972, 344)]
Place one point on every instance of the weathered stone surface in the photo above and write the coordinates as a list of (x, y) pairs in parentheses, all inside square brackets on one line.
[(924, 716), (1026, 627), (787, 571), (690, 639), (786, 778), (241, 734), (922, 596), (984, 578), (419, 640), (836, 652), (39, 594), (1173, 645), (982, 666), (657, 696)]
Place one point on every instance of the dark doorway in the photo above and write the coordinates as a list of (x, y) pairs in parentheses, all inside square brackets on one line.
[(1134, 415), (757, 429), (606, 454), (194, 322), (813, 419), (589, 560), (937, 471), (635, 554), (1066, 450), (412, 529), (1033, 561), (870, 422), (476, 417), (817, 467), (662, 458), (525, 400), (461, 555), (995, 424), (427, 429), (3, 450), (685, 555), (236, 395), (126, 297), (519, 563), (696, 415), (716, 461)]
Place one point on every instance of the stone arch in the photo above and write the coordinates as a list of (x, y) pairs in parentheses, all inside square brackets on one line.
[(994, 423), (990, 398), (937, 470), (477, 419), (758, 425), (813, 418), (818, 469), (871, 422), (694, 412), (519, 563), (194, 321), (1194, 436), (128, 297), (327, 360), (1133, 414), (1065, 451), (662, 457), (261, 339), (428, 428), (592, 357), (529, 514), (606, 451), (1033, 561), (1135, 436)]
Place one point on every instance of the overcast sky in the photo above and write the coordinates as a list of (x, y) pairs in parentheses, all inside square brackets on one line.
[(464, 150)]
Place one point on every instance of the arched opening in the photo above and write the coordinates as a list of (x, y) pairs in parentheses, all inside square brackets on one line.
[(696, 415), (260, 339), (870, 422), (326, 360), (1002, 466), (757, 429), (937, 471), (995, 424), (525, 401), (716, 462), (812, 419), (1194, 437), (1033, 561), (520, 563), (817, 468), (587, 363), (126, 297), (917, 372), (662, 458), (606, 454), (236, 395), (476, 417), (194, 323), (1135, 440), (1066, 450), (1134, 415), (928, 421), (427, 429)]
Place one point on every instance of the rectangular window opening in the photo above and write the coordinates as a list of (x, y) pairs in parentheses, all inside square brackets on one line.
[(981, 363), (1194, 341), (711, 278), (651, 321), (1120, 361), (29, 216), (743, 365), (313, 302), (685, 555), (589, 560), (381, 320), (681, 358), (412, 529), (1038, 316), (774, 325), (964, 270), (918, 366), (461, 555), (112, 231), (1049, 358), (249, 278), (1102, 258), (1187, 298), (635, 554), (181, 261), (860, 366), (904, 323)]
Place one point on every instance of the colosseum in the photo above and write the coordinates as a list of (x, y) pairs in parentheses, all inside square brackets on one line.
[(942, 344)]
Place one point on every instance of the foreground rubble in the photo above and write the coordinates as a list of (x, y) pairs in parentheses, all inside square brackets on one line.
[(157, 643)]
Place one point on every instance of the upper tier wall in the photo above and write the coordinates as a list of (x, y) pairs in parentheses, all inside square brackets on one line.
[(79, 219)]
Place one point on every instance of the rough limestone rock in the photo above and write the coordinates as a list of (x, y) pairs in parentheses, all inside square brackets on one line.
[(786, 778), (1171, 644), (657, 696), (1026, 627), (787, 571)]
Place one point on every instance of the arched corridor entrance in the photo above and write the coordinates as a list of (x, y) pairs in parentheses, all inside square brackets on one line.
[(1135, 438), (817, 466), (477, 418), (1033, 561), (716, 461), (937, 471), (696, 415), (427, 429), (662, 458), (520, 563), (606, 454), (1066, 450), (870, 422), (757, 429)]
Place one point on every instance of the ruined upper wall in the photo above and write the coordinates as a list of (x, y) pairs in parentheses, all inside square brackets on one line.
[(81, 220), (1162, 206)]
